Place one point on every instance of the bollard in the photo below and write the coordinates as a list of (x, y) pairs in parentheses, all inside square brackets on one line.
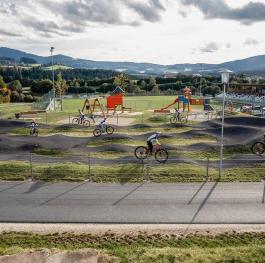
[(69, 119), (117, 119), (46, 118)]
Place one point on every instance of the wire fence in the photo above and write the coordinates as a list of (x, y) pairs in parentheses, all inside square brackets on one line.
[(44, 101), (92, 167)]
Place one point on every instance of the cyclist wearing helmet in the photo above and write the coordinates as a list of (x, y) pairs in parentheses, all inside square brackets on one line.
[(150, 141), (33, 126), (102, 124)]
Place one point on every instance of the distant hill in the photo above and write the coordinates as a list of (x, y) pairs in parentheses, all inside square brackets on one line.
[(256, 63)]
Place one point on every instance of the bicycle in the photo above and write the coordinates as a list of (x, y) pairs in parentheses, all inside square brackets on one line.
[(34, 132), (98, 131), (78, 121), (258, 147), (175, 119), (142, 152)]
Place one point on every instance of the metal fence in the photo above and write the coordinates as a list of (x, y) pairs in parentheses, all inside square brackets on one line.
[(44, 101), (91, 167)]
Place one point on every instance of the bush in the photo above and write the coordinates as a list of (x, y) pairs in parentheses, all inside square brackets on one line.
[(28, 98), (15, 96), (21, 97)]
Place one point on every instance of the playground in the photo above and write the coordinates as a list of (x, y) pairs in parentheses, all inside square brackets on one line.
[(193, 146)]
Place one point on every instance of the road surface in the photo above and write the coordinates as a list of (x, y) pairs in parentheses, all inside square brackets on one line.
[(86, 202)]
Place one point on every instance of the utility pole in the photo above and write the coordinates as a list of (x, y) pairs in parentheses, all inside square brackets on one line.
[(53, 86)]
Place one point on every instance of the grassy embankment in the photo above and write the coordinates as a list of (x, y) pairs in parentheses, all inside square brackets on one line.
[(67, 171), (146, 248)]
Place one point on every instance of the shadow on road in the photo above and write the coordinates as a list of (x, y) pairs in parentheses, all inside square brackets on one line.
[(204, 202), (36, 186), (11, 187), (197, 192), (132, 191), (57, 196)]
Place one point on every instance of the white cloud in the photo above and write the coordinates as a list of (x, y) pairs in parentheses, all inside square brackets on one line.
[(209, 47), (127, 30), (251, 42)]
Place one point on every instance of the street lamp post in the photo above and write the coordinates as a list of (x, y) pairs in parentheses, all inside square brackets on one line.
[(53, 86), (200, 87), (225, 74)]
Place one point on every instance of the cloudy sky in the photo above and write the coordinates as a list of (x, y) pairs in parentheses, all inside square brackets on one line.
[(158, 31)]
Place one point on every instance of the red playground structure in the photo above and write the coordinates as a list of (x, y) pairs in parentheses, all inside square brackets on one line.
[(116, 100)]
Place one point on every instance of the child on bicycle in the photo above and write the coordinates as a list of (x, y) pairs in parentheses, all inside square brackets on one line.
[(150, 141), (177, 114), (33, 126), (81, 115), (102, 124)]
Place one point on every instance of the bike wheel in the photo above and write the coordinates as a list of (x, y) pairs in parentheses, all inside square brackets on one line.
[(109, 130), (75, 121), (182, 120), (36, 133), (173, 120), (86, 123), (161, 155), (141, 152), (97, 132), (258, 148)]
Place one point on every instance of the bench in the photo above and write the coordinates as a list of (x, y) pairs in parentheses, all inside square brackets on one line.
[(28, 114)]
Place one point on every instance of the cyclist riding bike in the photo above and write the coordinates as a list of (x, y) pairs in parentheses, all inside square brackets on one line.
[(151, 140), (33, 126), (81, 115), (177, 114), (102, 124)]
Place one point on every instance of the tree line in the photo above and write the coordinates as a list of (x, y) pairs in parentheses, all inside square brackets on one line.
[(91, 81)]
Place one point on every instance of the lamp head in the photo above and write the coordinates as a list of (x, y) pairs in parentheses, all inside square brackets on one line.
[(225, 75)]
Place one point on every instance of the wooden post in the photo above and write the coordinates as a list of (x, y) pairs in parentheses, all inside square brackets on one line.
[(207, 168), (30, 167), (89, 167), (263, 194)]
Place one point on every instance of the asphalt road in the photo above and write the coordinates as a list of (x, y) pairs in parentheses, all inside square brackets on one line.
[(132, 203)]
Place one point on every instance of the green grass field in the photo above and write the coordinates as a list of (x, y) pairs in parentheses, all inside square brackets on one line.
[(142, 247)]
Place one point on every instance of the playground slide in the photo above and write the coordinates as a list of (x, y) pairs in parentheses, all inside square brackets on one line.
[(168, 106)]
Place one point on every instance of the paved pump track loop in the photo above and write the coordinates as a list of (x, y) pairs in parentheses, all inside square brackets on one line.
[(86, 202), (238, 131)]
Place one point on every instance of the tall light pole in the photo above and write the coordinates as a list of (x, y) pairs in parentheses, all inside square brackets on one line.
[(200, 76), (225, 74), (53, 86)]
